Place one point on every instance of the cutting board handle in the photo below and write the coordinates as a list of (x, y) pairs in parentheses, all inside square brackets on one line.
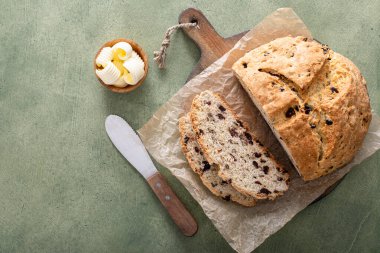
[(205, 37), (211, 44)]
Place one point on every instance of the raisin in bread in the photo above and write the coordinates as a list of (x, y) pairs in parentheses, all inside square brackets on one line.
[(315, 101), (228, 143), (208, 173)]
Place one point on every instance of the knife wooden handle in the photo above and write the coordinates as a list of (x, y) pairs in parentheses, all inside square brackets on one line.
[(170, 201)]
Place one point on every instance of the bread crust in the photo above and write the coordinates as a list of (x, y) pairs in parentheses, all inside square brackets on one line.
[(314, 99)]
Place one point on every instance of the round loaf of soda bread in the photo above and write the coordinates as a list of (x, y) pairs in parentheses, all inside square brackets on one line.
[(314, 99)]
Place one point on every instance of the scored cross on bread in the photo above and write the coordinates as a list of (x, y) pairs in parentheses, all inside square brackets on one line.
[(314, 99)]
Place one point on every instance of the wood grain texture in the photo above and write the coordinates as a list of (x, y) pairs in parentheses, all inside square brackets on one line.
[(212, 45), (173, 205)]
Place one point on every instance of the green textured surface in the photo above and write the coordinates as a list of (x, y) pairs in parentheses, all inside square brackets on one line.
[(63, 186)]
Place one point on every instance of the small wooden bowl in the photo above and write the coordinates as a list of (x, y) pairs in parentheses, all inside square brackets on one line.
[(139, 51)]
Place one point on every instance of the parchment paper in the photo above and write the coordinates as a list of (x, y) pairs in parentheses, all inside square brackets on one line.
[(243, 228)]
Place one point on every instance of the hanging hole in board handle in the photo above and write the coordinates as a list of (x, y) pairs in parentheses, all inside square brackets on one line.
[(194, 20)]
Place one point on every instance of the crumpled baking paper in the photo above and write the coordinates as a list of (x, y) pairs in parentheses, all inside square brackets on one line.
[(243, 228)]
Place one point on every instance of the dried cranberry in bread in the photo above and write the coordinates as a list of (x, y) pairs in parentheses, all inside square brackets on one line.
[(227, 142), (208, 173), (314, 99)]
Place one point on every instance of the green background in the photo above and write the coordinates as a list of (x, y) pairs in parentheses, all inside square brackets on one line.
[(64, 187)]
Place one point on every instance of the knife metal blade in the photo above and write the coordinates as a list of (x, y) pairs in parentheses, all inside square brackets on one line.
[(129, 145)]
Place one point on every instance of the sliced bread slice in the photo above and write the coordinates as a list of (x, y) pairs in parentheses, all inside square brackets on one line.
[(208, 173), (227, 142)]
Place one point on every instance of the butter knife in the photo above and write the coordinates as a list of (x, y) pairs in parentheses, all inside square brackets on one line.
[(130, 146)]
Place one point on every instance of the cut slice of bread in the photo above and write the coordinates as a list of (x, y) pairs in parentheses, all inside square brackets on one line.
[(227, 142), (208, 173)]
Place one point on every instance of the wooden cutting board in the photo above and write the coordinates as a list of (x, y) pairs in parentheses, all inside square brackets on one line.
[(212, 47)]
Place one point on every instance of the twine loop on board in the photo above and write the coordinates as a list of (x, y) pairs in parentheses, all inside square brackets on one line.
[(160, 56)]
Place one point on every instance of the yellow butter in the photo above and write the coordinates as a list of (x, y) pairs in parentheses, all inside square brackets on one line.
[(109, 75), (122, 51), (119, 65), (104, 57), (135, 71)]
